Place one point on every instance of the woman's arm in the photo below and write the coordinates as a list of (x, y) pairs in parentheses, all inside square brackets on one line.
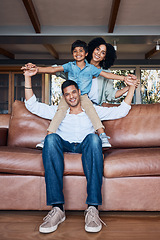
[(120, 92), (125, 89)]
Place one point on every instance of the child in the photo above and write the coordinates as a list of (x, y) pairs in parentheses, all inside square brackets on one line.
[(82, 73)]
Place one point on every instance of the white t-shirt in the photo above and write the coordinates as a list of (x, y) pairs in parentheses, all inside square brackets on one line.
[(93, 94), (75, 127)]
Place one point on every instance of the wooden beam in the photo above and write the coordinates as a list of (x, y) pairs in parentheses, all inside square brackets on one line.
[(113, 15), (151, 53), (52, 51), (10, 68), (6, 53), (32, 15)]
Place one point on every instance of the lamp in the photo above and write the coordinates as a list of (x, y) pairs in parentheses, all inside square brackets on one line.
[(115, 45), (157, 46)]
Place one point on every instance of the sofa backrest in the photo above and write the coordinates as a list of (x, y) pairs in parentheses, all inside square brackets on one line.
[(25, 128), (140, 128)]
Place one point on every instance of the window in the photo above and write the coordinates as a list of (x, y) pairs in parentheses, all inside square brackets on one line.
[(150, 86), (146, 93), (119, 84), (19, 86), (55, 89), (4, 88)]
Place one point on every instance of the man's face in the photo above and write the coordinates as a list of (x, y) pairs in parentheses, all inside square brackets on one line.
[(72, 95)]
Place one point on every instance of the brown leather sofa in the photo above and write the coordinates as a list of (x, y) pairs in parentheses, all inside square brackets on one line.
[(131, 168)]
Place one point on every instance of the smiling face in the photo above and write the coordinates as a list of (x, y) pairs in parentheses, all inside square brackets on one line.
[(79, 54), (99, 53), (72, 95)]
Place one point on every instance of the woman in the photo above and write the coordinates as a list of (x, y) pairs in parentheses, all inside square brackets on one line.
[(102, 55)]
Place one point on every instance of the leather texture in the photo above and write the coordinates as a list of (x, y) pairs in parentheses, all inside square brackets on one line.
[(25, 161), (25, 129), (131, 167), (140, 128), (4, 120), (132, 162)]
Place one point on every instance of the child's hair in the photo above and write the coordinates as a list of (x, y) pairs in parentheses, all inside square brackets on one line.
[(68, 83), (110, 54), (79, 43)]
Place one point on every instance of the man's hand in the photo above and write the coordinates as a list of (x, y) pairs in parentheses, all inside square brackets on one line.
[(137, 82), (30, 73), (131, 79), (28, 66), (31, 68)]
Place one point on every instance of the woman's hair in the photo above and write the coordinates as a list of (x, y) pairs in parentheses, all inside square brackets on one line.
[(79, 43), (110, 54)]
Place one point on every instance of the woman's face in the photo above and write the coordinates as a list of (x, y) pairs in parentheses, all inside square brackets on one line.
[(99, 53)]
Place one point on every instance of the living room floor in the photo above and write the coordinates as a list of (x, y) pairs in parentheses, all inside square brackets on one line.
[(23, 225)]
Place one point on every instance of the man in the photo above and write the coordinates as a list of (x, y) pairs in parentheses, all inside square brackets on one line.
[(75, 134)]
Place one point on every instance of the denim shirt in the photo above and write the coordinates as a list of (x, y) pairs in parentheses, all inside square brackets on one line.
[(83, 77)]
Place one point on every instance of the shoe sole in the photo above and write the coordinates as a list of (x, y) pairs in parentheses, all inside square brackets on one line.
[(39, 146), (93, 229), (51, 229)]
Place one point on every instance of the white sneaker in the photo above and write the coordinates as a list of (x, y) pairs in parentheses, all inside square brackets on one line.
[(105, 142), (52, 220), (40, 145), (93, 223)]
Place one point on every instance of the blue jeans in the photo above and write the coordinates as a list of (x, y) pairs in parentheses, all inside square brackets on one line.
[(92, 160)]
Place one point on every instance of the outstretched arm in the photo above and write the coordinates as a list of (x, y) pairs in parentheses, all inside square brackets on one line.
[(130, 94), (28, 84), (120, 92), (52, 70), (129, 79), (125, 89)]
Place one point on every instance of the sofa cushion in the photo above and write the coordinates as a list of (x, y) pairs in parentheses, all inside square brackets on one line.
[(25, 161), (25, 128), (132, 162), (140, 128)]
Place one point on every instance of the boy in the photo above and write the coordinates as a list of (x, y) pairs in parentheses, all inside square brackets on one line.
[(82, 73)]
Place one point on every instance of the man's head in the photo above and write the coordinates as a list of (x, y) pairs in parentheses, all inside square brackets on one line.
[(79, 50), (71, 93)]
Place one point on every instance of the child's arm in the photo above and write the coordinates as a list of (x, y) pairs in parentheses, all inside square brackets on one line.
[(127, 79), (52, 70)]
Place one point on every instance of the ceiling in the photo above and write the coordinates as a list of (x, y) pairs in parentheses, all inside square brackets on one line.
[(44, 30)]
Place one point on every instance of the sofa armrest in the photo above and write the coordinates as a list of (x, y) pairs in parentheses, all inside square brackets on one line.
[(3, 136)]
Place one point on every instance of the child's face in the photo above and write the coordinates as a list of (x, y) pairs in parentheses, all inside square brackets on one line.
[(79, 54)]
